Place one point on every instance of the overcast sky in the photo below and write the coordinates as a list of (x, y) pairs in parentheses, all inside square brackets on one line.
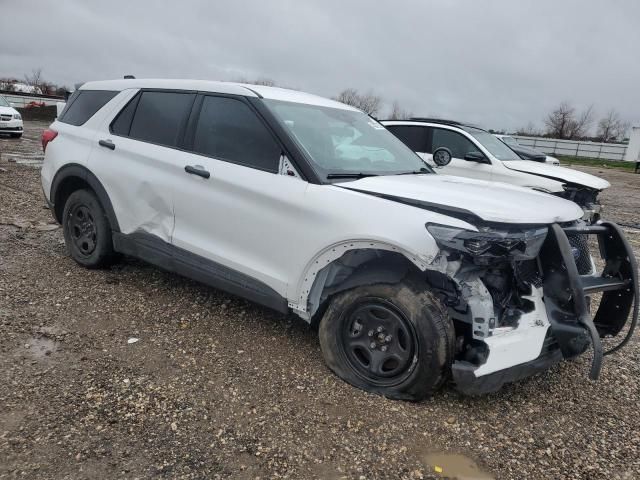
[(497, 63)]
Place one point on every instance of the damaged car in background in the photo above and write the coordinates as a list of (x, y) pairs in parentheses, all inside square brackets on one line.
[(312, 208), (468, 151)]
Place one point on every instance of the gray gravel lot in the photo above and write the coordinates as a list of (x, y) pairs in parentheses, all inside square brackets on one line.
[(217, 387)]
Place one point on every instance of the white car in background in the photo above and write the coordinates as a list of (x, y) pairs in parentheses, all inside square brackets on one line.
[(467, 151), (527, 153), (10, 119)]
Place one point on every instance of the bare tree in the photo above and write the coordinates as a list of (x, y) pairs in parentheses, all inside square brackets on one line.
[(558, 121), (399, 113), (564, 124), (579, 127), (367, 102), (611, 127), (34, 79)]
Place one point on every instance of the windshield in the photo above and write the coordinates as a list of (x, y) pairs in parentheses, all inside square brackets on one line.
[(493, 144), (3, 102), (343, 143), (510, 141)]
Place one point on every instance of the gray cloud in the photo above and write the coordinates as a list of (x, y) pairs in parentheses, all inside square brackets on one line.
[(498, 63)]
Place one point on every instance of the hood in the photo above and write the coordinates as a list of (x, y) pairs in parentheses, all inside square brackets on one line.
[(561, 174), (527, 153), (456, 196), (8, 110)]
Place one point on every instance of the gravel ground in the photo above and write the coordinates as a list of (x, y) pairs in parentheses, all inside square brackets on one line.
[(217, 387)]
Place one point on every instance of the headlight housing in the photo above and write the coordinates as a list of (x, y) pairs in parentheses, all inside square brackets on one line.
[(516, 243), (17, 116)]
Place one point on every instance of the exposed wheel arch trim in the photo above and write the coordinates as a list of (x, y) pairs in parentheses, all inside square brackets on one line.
[(334, 252), (74, 171)]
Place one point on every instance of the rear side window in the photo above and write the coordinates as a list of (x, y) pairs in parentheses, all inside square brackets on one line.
[(229, 130), (83, 104), (158, 118), (414, 137)]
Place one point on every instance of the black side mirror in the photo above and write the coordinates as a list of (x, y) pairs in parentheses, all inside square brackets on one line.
[(442, 156), (476, 157)]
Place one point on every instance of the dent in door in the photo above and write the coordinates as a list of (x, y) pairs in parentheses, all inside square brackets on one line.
[(158, 209)]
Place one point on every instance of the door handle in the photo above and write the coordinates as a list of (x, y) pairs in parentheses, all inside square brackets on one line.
[(197, 170), (107, 144)]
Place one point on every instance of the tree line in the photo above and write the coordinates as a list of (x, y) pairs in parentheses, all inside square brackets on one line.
[(565, 122)]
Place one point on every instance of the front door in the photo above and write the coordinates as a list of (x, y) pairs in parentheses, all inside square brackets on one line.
[(232, 205)]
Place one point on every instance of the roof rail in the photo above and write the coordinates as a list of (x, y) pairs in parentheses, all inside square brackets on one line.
[(436, 120)]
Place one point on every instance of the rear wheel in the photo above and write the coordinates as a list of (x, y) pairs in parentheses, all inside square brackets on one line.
[(87, 232), (394, 340)]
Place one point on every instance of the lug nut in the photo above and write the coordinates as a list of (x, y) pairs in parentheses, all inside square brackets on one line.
[(383, 348), (372, 345), (380, 329), (387, 338), (371, 333)]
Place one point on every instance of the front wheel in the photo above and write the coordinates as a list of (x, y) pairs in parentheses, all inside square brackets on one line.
[(87, 232), (393, 340)]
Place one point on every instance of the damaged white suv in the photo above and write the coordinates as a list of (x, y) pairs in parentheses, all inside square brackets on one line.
[(310, 207)]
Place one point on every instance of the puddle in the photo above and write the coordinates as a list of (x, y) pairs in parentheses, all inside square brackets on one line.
[(41, 348), (455, 467)]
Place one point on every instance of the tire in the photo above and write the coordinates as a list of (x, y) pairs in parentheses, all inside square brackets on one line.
[(418, 335), (87, 232)]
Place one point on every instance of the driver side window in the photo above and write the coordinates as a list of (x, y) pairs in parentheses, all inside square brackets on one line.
[(454, 141)]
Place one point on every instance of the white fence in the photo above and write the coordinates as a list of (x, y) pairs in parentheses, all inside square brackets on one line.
[(574, 148)]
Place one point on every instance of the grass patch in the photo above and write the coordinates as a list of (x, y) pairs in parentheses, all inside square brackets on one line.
[(597, 162)]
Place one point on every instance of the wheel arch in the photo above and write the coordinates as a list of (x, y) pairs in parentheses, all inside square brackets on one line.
[(350, 264), (73, 177)]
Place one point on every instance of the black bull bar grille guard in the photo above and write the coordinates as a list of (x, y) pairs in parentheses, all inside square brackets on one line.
[(568, 294)]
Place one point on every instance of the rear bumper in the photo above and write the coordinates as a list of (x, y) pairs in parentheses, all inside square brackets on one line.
[(566, 327)]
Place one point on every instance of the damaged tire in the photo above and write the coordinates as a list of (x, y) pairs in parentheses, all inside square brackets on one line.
[(87, 232), (393, 340)]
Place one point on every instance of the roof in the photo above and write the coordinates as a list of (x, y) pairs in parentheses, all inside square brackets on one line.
[(231, 88)]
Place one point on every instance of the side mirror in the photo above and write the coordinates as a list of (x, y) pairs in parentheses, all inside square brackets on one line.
[(442, 156), (475, 157)]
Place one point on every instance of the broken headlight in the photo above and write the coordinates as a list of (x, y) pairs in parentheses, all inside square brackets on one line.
[(519, 244)]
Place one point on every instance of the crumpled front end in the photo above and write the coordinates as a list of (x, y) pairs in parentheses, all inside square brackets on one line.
[(524, 301), (586, 198)]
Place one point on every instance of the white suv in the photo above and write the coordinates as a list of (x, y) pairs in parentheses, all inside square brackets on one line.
[(310, 207), (10, 119), (468, 151)]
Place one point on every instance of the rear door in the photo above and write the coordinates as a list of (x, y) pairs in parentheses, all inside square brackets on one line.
[(233, 207), (460, 146), (137, 159)]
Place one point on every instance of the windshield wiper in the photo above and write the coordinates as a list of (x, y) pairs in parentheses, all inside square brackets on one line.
[(415, 172), (351, 175)]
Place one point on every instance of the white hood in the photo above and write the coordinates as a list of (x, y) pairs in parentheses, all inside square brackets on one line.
[(492, 202), (8, 110), (565, 175)]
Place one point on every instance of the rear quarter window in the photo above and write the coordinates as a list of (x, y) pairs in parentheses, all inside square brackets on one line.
[(83, 104)]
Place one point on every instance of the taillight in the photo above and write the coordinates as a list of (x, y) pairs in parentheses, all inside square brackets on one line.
[(47, 136)]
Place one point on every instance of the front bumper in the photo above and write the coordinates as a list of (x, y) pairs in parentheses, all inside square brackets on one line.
[(11, 126), (561, 325)]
